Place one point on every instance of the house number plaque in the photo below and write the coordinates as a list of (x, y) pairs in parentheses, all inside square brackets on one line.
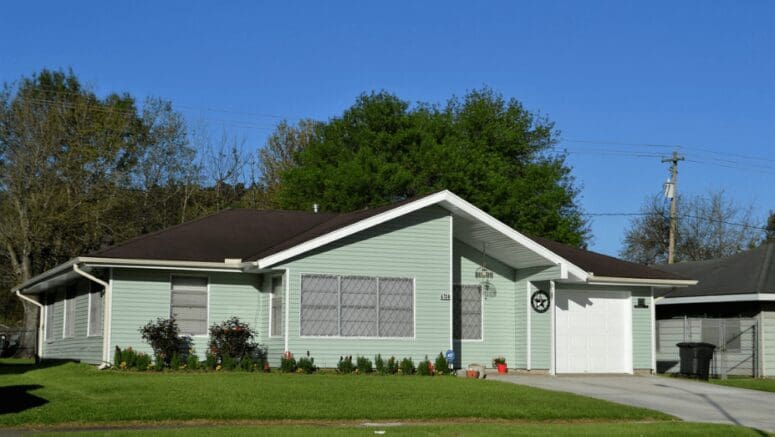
[(445, 296)]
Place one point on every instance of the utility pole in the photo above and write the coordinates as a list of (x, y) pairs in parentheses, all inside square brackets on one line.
[(672, 193)]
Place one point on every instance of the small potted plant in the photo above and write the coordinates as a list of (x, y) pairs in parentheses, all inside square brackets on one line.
[(500, 364)]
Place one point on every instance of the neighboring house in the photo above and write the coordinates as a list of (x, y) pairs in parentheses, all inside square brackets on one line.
[(410, 279), (732, 306)]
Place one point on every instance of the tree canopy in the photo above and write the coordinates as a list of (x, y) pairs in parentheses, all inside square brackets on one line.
[(708, 226), (489, 150)]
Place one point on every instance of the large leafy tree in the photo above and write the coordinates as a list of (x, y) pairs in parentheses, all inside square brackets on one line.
[(78, 172), (489, 150), (708, 226)]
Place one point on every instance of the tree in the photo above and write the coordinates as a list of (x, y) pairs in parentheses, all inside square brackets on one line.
[(770, 232), (71, 168), (281, 152), (489, 150), (709, 226)]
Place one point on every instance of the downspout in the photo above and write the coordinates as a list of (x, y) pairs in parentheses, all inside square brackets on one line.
[(39, 350), (105, 313)]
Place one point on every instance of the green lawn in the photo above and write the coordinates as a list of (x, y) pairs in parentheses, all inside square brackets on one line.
[(72, 396), (538, 430), (79, 393), (765, 384)]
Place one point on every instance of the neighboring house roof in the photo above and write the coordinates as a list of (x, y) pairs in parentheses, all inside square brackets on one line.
[(603, 265), (736, 277), (261, 239)]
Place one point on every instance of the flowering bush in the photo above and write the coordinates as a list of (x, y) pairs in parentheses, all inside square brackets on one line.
[(498, 360), (425, 367), (164, 337), (129, 359)]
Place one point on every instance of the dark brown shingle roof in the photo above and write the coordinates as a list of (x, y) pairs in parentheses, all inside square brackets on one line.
[(250, 235), (747, 272)]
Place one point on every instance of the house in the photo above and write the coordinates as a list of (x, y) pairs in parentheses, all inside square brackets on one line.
[(732, 306), (414, 278)]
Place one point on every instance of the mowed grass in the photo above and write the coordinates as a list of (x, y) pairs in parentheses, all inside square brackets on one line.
[(70, 392), (765, 384), (537, 430)]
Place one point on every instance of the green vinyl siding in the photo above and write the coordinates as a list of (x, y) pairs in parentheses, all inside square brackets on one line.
[(498, 312), (416, 246), (143, 295), (80, 346), (540, 323), (768, 341), (642, 329)]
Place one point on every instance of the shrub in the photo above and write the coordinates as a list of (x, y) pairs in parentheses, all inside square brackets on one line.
[(392, 366), (233, 337), (406, 367), (287, 362), (129, 358), (363, 364), (193, 361), (143, 361), (441, 365), (306, 365), (498, 360), (165, 340), (175, 361), (210, 361), (379, 365), (158, 363), (117, 357), (246, 364), (424, 367), (345, 364), (228, 363)]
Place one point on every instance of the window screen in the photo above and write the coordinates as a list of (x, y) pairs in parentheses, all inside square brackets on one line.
[(95, 310), (357, 306), (278, 309), (69, 330), (468, 321), (50, 302), (319, 305), (189, 304)]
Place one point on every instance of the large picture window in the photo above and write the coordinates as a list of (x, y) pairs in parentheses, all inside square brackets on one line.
[(467, 300), (357, 306), (277, 317), (189, 304)]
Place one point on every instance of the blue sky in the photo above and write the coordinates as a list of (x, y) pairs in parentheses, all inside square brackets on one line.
[(700, 74)]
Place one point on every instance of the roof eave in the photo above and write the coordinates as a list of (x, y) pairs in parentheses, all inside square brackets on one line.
[(646, 282)]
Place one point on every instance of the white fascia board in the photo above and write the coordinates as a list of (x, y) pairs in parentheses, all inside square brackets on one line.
[(748, 297), (433, 199), (66, 267), (608, 280)]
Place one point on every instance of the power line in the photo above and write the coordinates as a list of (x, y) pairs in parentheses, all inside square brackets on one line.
[(664, 217)]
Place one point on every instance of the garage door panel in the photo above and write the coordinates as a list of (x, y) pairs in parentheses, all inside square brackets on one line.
[(593, 332)]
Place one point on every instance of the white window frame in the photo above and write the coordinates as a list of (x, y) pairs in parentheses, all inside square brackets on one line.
[(481, 302), (271, 303), (102, 309), (209, 281), (51, 299), (346, 337)]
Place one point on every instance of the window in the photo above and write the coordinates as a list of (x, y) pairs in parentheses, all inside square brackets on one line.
[(50, 302), (69, 329), (467, 300), (277, 316), (189, 304), (357, 306), (95, 310)]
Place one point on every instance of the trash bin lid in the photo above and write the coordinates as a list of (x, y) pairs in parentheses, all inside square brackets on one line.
[(693, 344)]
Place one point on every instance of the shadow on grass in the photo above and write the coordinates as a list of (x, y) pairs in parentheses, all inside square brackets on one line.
[(16, 398), (12, 366)]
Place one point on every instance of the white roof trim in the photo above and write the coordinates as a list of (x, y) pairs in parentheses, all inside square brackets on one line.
[(608, 280), (748, 297), (433, 199), (134, 263)]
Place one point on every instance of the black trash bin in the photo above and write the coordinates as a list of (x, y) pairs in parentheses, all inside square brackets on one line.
[(695, 358)]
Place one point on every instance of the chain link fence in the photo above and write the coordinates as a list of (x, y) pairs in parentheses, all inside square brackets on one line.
[(736, 341)]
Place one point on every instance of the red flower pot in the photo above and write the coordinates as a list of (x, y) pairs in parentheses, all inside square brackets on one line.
[(502, 368)]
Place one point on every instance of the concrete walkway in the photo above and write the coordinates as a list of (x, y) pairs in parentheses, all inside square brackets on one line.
[(689, 400)]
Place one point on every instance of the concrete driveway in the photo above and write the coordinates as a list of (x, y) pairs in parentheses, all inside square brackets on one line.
[(692, 401)]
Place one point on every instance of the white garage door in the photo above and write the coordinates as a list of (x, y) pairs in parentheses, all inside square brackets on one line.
[(593, 332)]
